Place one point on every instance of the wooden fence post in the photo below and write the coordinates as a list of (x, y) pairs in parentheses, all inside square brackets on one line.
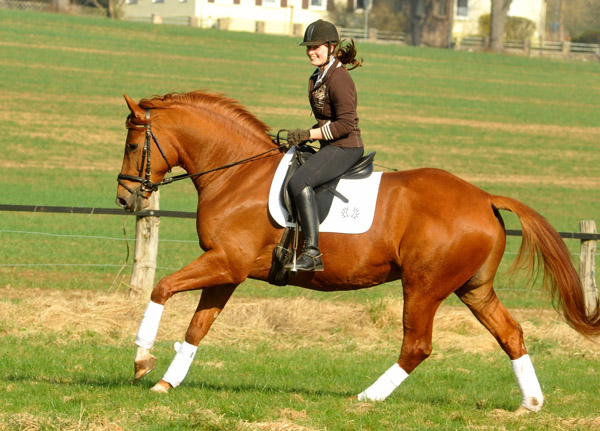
[(587, 266), (146, 249)]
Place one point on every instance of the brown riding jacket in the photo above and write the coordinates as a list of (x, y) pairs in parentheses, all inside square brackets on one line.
[(333, 102)]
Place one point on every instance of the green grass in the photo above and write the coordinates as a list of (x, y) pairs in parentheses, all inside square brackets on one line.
[(484, 117), (515, 126), (481, 116), (232, 387)]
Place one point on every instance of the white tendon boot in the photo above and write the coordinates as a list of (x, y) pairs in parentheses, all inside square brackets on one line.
[(149, 326), (531, 392), (384, 385), (181, 363)]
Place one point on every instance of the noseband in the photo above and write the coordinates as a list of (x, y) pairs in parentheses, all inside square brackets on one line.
[(147, 185)]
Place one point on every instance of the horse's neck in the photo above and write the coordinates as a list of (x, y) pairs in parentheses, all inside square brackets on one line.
[(211, 146)]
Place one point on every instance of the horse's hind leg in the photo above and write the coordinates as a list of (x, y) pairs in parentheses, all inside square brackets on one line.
[(211, 303), (483, 302)]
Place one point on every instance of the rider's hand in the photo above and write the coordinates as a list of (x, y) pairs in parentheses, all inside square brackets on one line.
[(298, 137)]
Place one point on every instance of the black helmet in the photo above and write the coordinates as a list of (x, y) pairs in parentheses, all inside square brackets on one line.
[(320, 32)]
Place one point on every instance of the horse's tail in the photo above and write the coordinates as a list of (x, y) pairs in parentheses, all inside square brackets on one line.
[(542, 247)]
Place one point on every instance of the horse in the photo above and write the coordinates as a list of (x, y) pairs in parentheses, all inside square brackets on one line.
[(435, 232)]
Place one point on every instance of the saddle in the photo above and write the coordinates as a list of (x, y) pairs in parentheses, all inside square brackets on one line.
[(325, 193)]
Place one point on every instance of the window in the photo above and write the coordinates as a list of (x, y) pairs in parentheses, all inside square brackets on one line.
[(317, 3), (462, 7)]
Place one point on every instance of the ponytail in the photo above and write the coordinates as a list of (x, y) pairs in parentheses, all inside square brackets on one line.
[(347, 55)]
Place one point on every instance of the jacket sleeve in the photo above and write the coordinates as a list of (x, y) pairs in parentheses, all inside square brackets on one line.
[(342, 93)]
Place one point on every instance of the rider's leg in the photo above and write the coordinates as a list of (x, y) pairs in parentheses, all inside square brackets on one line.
[(328, 163), (306, 204)]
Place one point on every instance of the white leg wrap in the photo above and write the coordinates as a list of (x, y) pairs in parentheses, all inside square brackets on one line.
[(181, 364), (149, 326), (531, 392), (384, 385)]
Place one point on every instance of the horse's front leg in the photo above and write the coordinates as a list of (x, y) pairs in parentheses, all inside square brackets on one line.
[(419, 311), (207, 272), (211, 304)]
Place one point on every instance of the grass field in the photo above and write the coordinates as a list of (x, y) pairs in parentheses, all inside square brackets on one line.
[(525, 128)]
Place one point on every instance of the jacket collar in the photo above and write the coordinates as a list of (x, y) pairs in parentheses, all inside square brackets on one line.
[(319, 79)]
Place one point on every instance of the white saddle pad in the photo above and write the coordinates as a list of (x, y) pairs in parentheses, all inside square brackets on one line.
[(356, 216)]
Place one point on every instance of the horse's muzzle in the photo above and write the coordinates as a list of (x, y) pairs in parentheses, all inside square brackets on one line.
[(132, 202)]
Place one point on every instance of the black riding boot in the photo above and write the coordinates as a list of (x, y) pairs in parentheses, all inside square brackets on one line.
[(306, 205)]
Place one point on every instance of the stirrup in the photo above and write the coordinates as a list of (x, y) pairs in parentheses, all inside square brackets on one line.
[(307, 262)]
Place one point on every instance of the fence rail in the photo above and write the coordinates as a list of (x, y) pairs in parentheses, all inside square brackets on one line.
[(373, 34), (147, 241), (189, 214), (534, 46)]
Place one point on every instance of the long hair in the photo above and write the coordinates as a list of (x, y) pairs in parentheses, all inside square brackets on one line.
[(346, 54)]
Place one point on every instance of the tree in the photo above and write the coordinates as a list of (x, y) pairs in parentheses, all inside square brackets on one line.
[(574, 17), (113, 8), (430, 21), (497, 23)]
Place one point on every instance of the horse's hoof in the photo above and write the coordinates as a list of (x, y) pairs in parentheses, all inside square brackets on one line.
[(144, 366), (161, 387)]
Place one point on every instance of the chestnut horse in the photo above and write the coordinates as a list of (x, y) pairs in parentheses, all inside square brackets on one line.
[(437, 233)]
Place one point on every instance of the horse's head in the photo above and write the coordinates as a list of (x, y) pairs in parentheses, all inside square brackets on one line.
[(143, 167)]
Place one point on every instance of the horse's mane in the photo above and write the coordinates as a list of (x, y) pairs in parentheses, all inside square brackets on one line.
[(214, 102)]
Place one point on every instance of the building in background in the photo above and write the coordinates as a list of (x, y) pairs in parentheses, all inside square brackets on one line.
[(466, 18), (291, 17), (262, 16)]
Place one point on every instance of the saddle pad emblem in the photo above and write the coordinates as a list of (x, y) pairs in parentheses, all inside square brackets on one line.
[(353, 217)]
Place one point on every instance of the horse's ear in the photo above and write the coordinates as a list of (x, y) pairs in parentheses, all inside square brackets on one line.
[(134, 107)]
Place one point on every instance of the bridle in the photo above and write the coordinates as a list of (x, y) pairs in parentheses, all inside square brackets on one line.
[(147, 185)]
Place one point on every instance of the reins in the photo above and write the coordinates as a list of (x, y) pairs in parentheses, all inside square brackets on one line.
[(147, 185)]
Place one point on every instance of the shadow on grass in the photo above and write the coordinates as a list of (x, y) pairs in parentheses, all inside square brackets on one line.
[(115, 382)]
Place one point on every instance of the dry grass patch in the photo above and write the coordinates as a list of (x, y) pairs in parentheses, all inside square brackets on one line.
[(287, 323), (588, 183), (550, 130), (29, 422)]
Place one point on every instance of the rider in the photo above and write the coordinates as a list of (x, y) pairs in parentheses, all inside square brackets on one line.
[(333, 100)]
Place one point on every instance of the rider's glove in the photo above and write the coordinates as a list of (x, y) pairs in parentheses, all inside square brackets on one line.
[(298, 137)]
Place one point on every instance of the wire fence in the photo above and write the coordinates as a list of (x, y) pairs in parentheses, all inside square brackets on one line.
[(84, 237), (125, 262)]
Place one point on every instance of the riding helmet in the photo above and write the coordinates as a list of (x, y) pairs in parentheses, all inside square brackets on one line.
[(320, 32)]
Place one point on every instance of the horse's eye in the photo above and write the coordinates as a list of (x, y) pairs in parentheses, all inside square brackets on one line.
[(132, 147)]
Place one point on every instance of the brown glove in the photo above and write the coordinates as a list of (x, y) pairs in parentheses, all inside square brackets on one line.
[(298, 137)]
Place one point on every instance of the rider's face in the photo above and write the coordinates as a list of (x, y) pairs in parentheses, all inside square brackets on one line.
[(317, 54)]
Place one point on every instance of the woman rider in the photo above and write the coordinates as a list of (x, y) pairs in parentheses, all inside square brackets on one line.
[(333, 100)]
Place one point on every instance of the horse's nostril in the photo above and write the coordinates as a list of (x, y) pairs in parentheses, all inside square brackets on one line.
[(122, 202)]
